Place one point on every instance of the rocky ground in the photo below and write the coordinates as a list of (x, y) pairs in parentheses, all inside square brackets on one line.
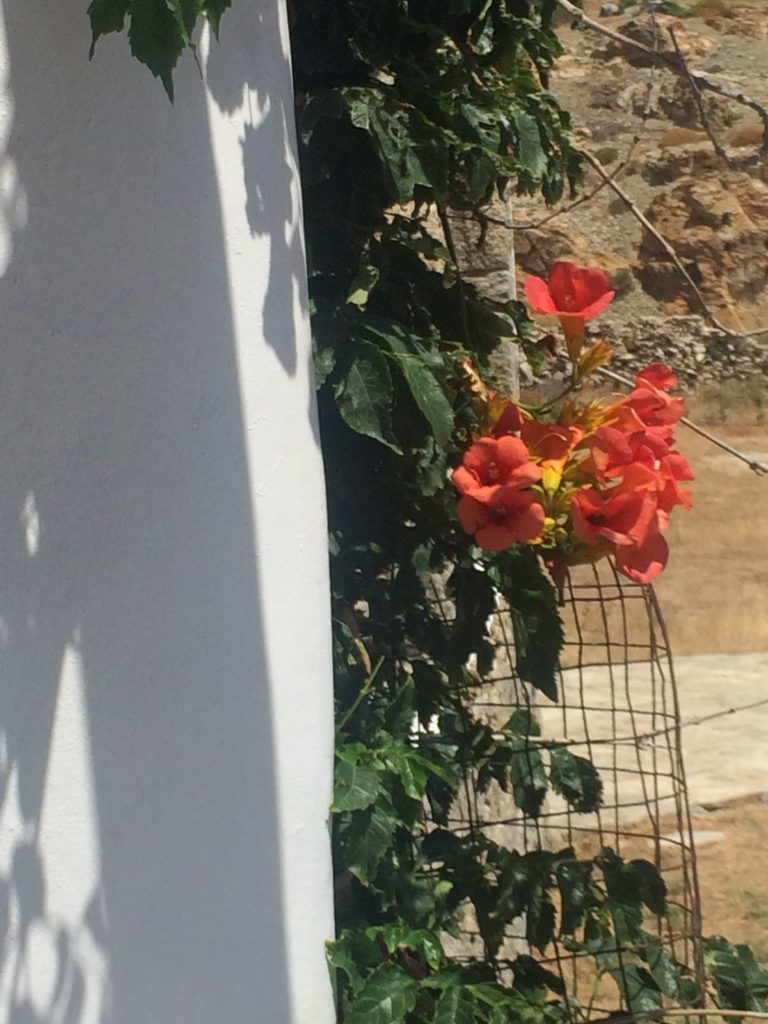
[(643, 125)]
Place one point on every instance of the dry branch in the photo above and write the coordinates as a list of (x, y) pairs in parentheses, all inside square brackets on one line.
[(699, 83), (666, 246)]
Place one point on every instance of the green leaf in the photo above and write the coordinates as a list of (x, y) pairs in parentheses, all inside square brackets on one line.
[(529, 780), (365, 396), (156, 39), (456, 1006), (576, 779), (529, 149), (356, 787), (640, 991), (106, 16), (386, 997), (420, 369), (664, 971), (324, 361), (362, 285), (367, 840), (353, 952), (741, 982), (573, 879), (651, 887), (420, 940), (213, 10), (531, 975), (537, 627), (522, 722), (410, 769), (540, 920), (428, 394), (186, 13)]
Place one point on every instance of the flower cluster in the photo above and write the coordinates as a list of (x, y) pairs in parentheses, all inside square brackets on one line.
[(581, 480)]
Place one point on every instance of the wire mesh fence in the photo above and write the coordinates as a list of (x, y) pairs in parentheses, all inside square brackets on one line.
[(618, 707)]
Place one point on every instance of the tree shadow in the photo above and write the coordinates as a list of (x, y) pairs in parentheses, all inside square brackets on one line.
[(129, 586)]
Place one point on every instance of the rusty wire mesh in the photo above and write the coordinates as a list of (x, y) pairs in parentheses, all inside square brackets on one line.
[(617, 706)]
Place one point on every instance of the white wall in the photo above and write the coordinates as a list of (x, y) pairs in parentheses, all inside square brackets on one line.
[(165, 692)]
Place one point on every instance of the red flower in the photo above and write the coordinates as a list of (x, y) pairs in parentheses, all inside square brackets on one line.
[(549, 443), (656, 375), (491, 463), (673, 469), (611, 452), (649, 405), (509, 422), (631, 518), (644, 562), (574, 294), (508, 517), (643, 461), (624, 518)]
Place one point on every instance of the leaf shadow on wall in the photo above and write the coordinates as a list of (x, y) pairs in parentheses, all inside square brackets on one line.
[(120, 417), (276, 212)]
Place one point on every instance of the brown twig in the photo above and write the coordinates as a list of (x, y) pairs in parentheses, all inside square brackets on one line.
[(732, 161), (534, 225), (760, 468), (699, 82), (640, 216)]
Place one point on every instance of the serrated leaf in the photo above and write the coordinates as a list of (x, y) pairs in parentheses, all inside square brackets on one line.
[(213, 10), (428, 394), (456, 1006), (531, 975), (540, 920), (420, 940), (529, 780), (356, 787), (741, 982), (410, 770), (156, 39), (573, 883), (106, 16), (536, 623), (186, 13), (352, 952), (324, 362), (386, 997), (365, 396), (663, 969), (651, 887), (530, 152), (367, 841), (522, 723), (576, 779), (640, 992)]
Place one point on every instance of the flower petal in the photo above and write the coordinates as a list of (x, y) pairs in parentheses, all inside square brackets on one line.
[(644, 563), (658, 375), (538, 295)]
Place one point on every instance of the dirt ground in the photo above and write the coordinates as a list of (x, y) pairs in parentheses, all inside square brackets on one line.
[(714, 593), (732, 875)]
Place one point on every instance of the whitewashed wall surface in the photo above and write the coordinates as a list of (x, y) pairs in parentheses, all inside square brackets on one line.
[(165, 686)]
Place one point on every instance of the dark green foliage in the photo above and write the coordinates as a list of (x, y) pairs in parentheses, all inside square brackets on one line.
[(740, 982)]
